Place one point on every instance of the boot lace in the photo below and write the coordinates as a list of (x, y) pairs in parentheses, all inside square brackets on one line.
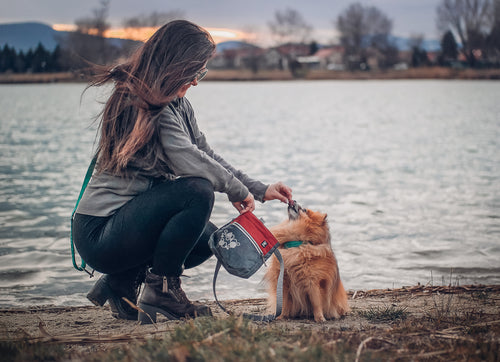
[(174, 286)]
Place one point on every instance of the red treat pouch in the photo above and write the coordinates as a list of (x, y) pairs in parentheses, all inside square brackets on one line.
[(243, 245)]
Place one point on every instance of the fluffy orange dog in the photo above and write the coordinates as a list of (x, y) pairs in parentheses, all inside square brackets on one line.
[(311, 283)]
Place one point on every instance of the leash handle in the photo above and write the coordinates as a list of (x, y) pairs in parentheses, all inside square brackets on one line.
[(86, 180), (279, 293)]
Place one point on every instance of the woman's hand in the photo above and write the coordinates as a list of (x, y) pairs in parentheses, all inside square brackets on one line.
[(248, 204), (278, 191)]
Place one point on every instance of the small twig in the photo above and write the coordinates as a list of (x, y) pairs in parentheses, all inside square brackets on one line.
[(436, 353), (361, 346), (181, 353), (140, 311), (483, 324), (458, 328), (365, 342), (451, 336), (41, 327), (210, 338)]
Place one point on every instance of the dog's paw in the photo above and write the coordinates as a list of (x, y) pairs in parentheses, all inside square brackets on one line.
[(319, 318)]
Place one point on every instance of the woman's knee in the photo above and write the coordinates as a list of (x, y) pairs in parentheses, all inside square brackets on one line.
[(201, 190)]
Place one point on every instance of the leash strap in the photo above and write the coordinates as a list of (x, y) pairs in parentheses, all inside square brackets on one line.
[(279, 294), (88, 176)]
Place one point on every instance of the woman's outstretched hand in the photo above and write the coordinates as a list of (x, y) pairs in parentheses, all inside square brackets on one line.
[(278, 191), (248, 204)]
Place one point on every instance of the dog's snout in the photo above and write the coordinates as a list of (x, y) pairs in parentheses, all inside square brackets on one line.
[(293, 210)]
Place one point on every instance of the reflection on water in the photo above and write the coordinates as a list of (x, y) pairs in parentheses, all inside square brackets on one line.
[(408, 172)]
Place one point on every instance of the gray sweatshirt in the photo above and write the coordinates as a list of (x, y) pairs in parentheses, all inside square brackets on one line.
[(187, 153)]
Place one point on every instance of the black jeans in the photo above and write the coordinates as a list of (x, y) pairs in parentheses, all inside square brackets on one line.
[(166, 227)]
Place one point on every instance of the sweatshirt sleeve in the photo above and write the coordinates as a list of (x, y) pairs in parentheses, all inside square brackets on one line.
[(256, 188), (187, 159)]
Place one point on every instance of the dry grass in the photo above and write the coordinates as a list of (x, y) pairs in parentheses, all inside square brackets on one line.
[(12, 78), (391, 313)]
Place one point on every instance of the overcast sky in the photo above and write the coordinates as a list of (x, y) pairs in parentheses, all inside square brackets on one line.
[(409, 16)]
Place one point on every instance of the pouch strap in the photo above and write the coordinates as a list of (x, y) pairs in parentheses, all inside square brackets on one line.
[(279, 293)]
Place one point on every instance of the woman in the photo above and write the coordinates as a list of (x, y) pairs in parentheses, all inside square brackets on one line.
[(144, 216)]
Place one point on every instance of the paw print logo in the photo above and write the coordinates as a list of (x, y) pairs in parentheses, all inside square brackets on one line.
[(228, 240)]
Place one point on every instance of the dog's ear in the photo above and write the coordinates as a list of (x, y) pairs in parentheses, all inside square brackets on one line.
[(325, 219)]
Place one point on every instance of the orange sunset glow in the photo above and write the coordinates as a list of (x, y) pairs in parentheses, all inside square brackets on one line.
[(142, 34)]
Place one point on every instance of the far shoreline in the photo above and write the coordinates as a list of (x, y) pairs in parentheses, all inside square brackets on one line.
[(437, 73)]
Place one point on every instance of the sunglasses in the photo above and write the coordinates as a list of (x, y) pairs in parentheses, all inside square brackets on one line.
[(199, 75)]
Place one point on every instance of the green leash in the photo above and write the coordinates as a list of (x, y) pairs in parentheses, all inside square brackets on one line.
[(88, 176)]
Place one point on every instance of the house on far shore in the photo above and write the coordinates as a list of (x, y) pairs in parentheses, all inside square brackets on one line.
[(280, 57), (330, 58), (237, 55), (243, 55)]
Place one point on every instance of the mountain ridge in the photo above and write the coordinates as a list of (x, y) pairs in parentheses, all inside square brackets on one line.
[(26, 36)]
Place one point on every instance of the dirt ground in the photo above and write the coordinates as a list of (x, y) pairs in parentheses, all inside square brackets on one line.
[(376, 317)]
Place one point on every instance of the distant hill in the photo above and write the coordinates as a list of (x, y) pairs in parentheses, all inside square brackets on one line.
[(403, 44), (25, 36), (233, 44)]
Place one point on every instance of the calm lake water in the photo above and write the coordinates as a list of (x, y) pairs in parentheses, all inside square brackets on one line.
[(408, 172)]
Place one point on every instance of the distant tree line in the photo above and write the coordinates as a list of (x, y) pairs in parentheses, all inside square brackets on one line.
[(80, 48), (38, 60), (476, 23)]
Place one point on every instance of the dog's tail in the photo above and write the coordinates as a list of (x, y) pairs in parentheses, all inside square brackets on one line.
[(340, 299)]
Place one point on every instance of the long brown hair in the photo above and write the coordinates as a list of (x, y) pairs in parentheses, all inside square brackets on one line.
[(143, 85)]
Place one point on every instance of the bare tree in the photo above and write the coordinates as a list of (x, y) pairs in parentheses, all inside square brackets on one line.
[(135, 25), (88, 41), (153, 20), (493, 40), (362, 27), (469, 19), (289, 26), (98, 23)]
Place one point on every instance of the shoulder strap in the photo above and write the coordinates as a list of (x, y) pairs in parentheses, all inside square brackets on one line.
[(88, 176), (279, 294)]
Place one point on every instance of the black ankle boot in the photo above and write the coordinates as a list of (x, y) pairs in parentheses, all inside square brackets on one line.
[(164, 295), (113, 288)]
